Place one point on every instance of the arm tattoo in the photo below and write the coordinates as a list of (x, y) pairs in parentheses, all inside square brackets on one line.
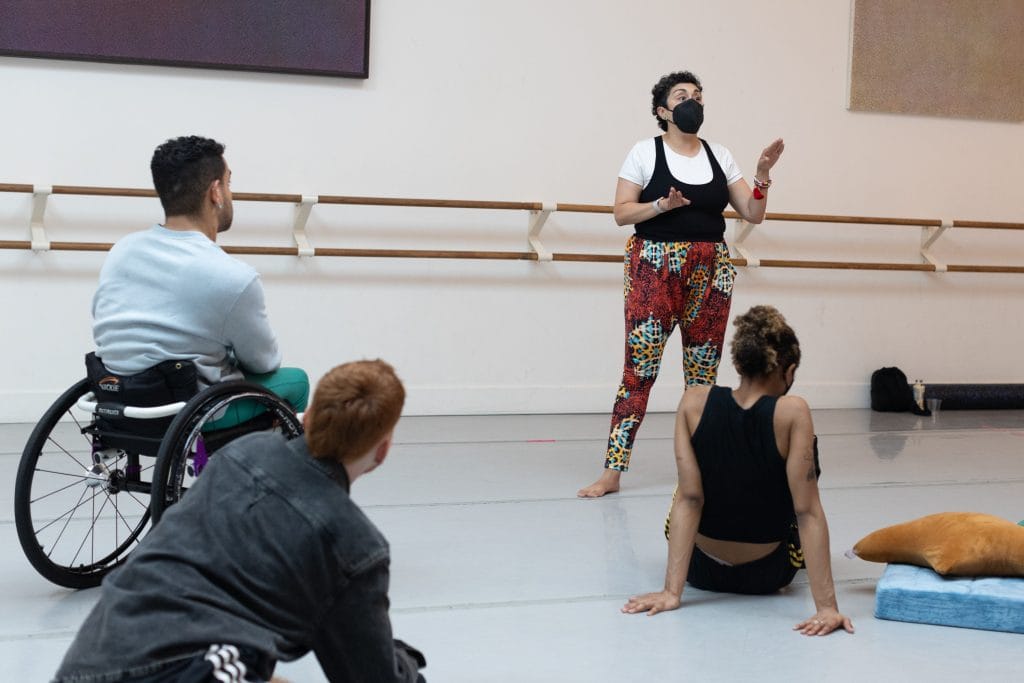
[(812, 474)]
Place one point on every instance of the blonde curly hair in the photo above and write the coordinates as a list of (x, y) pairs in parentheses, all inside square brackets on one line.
[(763, 342)]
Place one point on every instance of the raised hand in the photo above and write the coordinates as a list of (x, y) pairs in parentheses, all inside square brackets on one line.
[(769, 157)]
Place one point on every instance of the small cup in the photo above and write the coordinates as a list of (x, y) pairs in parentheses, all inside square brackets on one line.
[(934, 404)]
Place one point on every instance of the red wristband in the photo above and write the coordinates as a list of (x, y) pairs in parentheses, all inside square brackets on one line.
[(758, 194)]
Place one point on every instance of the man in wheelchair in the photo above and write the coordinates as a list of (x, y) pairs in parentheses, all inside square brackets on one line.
[(170, 293), (175, 318), (266, 559)]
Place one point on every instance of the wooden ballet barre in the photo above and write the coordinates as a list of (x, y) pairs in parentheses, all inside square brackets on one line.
[(814, 218), (84, 190), (89, 191), (988, 225), (80, 246), (588, 258), (531, 256), (801, 217), (584, 208), (845, 265), (431, 203), (387, 253), (985, 269), (536, 209), (857, 220)]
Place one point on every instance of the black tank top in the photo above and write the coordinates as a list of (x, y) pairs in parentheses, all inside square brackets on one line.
[(699, 221), (746, 492)]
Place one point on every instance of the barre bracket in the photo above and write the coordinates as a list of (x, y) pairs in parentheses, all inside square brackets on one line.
[(536, 224), (743, 230), (929, 235), (40, 195), (302, 211)]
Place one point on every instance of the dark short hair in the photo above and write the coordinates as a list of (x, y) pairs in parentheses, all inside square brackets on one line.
[(183, 169), (661, 89)]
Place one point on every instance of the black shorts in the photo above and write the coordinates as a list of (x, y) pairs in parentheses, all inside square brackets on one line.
[(760, 577)]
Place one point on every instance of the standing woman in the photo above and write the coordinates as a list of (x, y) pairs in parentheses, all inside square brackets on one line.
[(673, 188)]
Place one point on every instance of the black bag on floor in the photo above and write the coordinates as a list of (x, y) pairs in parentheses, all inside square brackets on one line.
[(891, 393)]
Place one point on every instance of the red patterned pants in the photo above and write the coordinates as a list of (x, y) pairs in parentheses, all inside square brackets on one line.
[(688, 284)]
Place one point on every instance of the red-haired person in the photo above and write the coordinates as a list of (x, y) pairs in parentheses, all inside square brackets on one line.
[(265, 559)]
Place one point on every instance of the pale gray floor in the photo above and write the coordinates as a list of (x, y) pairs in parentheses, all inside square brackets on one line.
[(500, 574)]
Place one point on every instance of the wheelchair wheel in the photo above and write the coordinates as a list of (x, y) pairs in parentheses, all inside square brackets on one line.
[(79, 508), (188, 442)]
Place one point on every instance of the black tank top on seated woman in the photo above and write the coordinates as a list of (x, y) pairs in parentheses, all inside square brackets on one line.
[(746, 492), (699, 221)]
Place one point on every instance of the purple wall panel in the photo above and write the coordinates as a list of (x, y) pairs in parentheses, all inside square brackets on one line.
[(329, 37)]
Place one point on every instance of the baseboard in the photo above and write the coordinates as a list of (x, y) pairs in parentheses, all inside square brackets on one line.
[(490, 400), (18, 407)]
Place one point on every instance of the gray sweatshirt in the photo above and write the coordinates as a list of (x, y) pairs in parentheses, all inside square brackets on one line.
[(167, 294)]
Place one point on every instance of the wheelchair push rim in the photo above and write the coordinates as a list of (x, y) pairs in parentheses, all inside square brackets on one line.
[(79, 508), (187, 445)]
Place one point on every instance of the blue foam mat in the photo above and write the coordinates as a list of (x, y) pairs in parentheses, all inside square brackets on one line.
[(916, 594)]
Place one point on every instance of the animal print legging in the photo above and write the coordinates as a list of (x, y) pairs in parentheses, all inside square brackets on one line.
[(688, 284)]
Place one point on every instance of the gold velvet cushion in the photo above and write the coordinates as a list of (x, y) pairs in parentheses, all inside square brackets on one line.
[(951, 543)]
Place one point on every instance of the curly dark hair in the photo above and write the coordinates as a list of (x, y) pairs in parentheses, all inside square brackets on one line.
[(661, 89), (183, 169), (763, 343)]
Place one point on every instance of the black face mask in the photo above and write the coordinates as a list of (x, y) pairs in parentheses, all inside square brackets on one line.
[(790, 384), (688, 116)]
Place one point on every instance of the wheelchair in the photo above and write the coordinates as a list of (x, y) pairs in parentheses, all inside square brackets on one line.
[(95, 475)]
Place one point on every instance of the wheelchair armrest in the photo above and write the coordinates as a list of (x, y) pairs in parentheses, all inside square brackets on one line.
[(89, 404)]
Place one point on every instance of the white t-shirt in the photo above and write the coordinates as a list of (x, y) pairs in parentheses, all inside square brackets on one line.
[(639, 164)]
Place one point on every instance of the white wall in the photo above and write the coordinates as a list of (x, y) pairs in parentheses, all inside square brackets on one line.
[(526, 101)]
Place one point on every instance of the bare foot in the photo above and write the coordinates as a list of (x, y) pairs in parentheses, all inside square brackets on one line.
[(607, 483)]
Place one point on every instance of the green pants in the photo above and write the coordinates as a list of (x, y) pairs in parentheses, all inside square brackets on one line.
[(291, 384)]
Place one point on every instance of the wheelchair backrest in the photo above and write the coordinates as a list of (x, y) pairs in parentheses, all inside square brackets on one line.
[(167, 382), (171, 381)]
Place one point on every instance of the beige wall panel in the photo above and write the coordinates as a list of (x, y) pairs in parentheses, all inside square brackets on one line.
[(953, 58)]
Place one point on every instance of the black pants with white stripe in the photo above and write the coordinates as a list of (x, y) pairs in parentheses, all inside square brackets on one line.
[(219, 664)]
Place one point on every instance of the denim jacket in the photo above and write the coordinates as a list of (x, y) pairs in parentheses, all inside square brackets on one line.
[(267, 552)]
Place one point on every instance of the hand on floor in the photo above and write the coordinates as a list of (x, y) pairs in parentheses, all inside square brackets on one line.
[(824, 622), (652, 603)]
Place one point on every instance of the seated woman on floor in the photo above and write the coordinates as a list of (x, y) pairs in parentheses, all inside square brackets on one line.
[(747, 497)]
